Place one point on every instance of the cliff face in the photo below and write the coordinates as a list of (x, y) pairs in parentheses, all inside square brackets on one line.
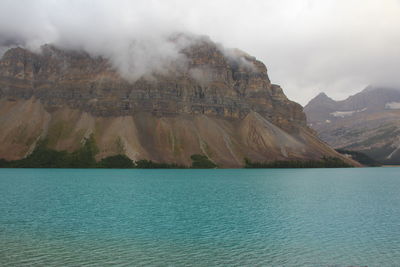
[(367, 122), (223, 106)]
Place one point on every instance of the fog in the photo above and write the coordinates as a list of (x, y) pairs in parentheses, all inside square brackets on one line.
[(309, 46)]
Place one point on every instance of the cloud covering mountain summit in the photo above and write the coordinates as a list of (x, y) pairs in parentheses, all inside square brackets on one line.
[(309, 45)]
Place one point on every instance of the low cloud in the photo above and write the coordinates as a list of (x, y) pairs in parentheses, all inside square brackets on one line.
[(309, 46), (134, 35)]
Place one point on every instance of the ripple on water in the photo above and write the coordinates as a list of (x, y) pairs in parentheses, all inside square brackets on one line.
[(200, 218)]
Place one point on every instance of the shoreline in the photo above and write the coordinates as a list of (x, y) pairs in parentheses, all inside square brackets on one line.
[(388, 166)]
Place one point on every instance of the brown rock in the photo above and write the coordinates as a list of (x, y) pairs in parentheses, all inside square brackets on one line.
[(222, 106)]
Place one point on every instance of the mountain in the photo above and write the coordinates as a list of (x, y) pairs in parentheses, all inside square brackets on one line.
[(218, 104), (367, 122)]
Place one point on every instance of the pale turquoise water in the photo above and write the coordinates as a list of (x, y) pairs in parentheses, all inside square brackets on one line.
[(290, 217)]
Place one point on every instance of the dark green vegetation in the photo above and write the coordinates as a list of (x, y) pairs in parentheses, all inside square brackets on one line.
[(148, 164), (381, 154), (360, 157), (84, 157), (202, 162), (198, 162), (43, 157), (325, 162), (116, 162)]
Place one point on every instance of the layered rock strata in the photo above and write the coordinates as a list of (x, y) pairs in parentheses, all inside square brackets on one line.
[(223, 106)]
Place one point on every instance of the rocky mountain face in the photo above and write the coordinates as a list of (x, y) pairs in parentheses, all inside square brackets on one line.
[(223, 106), (367, 122)]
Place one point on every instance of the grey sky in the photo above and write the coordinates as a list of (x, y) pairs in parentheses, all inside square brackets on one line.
[(336, 46)]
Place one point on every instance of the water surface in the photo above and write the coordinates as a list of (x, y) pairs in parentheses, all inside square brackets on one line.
[(287, 217)]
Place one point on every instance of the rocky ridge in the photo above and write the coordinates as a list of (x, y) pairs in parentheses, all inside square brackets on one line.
[(223, 106), (367, 122)]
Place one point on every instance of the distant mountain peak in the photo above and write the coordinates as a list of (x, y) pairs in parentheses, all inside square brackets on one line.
[(321, 99), (322, 95), (367, 122)]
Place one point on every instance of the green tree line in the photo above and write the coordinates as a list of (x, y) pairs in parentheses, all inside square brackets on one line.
[(84, 157), (325, 162)]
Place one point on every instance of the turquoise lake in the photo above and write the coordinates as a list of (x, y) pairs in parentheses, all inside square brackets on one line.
[(269, 217)]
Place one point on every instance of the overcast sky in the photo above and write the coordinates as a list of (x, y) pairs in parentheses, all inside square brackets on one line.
[(309, 46)]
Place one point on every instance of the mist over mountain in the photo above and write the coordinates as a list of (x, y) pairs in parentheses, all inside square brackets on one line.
[(220, 103), (340, 46)]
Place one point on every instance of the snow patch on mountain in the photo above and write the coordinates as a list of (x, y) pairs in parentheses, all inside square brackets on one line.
[(392, 105), (342, 114)]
